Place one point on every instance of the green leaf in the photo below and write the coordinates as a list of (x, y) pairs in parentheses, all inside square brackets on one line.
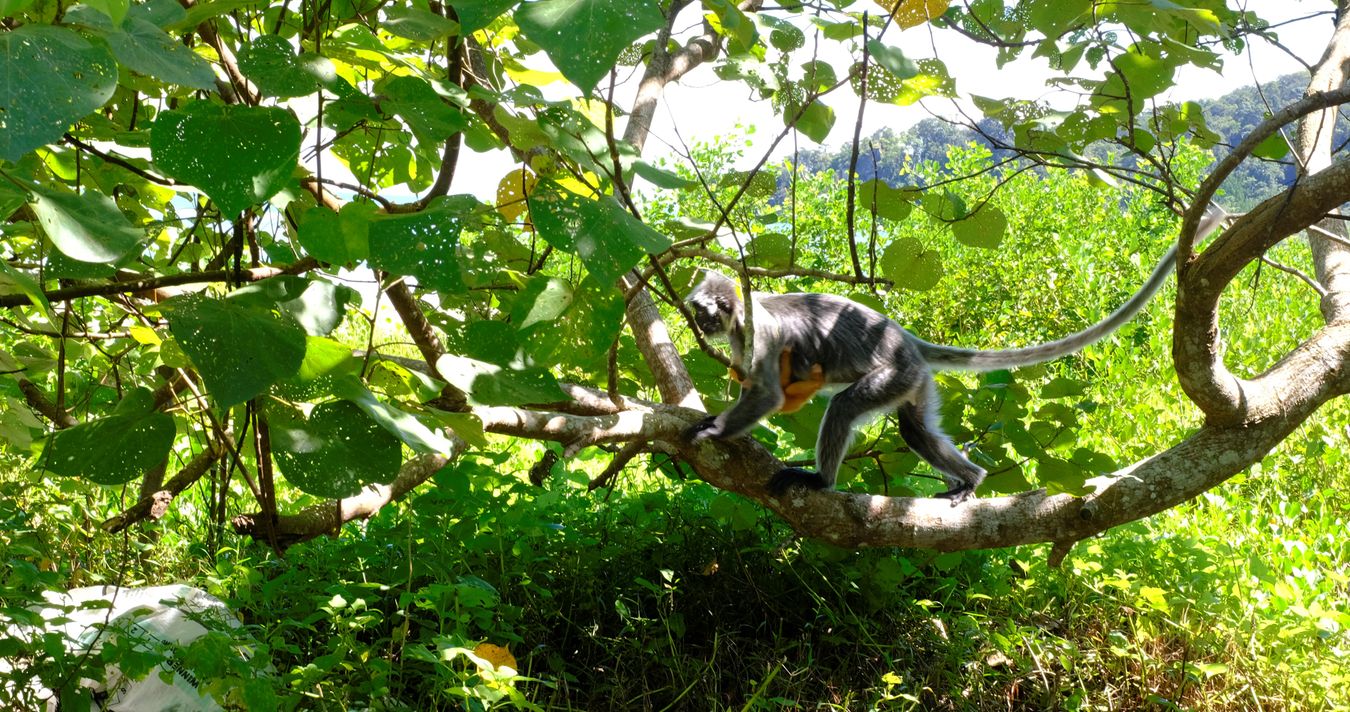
[(51, 78), (338, 238), (272, 64), (1061, 387), (608, 239), (543, 299), (1274, 147), (400, 423), (487, 384), (661, 177), (583, 38), (115, 449), (887, 202), (116, 10), (1061, 477), (335, 452), (816, 121), (417, 24), (492, 341), (474, 15), (238, 155), (422, 244), (910, 266), (431, 119), (985, 228), (88, 227), (893, 60), (13, 281), (12, 8), (144, 48), (317, 306), (932, 80), (238, 351)]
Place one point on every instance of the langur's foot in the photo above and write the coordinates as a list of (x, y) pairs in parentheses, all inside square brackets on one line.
[(702, 430), (957, 494), (795, 477)]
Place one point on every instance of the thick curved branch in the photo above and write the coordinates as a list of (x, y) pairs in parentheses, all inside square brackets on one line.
[(1225, 398), (1264, 130), (1331, 258)]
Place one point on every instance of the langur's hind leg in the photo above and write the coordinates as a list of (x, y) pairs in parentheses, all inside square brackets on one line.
[(921, 431), (878, 390)]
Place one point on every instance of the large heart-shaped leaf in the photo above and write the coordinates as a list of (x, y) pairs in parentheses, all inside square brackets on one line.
[(910, 266), (584, 37), (115, 449), (239, 351), (982, 229), (238, 155), (335, 452), (50, 77), (144, 48), (339, 238), (605, 236), (422, 244), (87, 227), (273, 65)]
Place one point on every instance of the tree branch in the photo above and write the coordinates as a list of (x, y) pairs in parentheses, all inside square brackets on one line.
[(255, 274)]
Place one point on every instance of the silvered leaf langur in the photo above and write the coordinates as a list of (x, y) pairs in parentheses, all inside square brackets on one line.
[(830, 339)]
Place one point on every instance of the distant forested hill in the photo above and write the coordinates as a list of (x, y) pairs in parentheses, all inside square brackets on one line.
[(1230, 116)]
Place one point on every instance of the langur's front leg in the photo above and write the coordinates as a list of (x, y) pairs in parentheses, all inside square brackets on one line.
[(756, 401)]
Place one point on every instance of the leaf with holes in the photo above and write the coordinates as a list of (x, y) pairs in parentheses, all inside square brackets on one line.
[(88, 227), (144, 48), (272, 63), (333, 453), (910, 266), (584, 37), (422, 244), (605, 236), (50, 77), (985, 228), (397, 422), (239, 351), (488, 384), (119, 448), (431, 119), (238, 155)]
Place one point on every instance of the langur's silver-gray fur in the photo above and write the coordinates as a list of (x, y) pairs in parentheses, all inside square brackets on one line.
[(884, 367)]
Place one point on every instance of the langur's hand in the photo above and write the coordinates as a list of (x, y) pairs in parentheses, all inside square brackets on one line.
[(702, 430)]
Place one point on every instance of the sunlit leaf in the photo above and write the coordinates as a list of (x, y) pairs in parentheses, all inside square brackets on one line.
[(985, 228), (906, 263), (488, 384), (51, 78), (608, 239), (422, 244), (237, 155), (608, 27)]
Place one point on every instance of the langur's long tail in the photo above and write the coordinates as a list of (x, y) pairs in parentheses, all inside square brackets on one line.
[(944, 357)]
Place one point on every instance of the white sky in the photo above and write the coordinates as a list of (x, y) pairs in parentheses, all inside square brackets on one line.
[(689, 105), (704, 107)]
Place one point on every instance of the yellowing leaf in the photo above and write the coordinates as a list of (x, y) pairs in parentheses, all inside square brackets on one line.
[(144, 335), (912, 13), (498, 655), (512, 191)]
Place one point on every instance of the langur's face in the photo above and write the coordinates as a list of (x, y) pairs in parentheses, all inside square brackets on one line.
[(709, 316)]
